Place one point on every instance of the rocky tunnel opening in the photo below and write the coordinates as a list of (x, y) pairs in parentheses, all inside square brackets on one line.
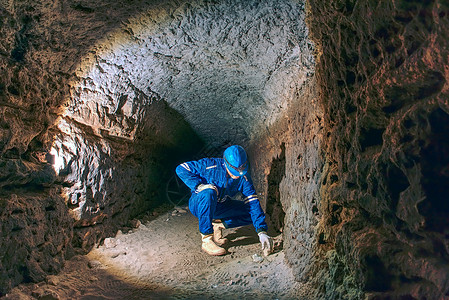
[(130, 96), (341, 105)]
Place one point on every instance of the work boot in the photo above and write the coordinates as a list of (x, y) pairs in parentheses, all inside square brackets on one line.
[(210, 247), (218, 234)]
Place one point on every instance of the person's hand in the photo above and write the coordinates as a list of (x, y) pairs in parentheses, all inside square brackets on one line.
[(203, 187), (266, 241)]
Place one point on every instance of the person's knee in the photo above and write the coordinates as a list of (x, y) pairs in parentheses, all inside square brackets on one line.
[(208, 194), (207, 200)]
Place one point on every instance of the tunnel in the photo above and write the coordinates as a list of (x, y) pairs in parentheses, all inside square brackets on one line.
[(342, 107)]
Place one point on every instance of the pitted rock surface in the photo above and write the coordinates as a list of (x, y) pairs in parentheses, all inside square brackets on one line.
[(288, 164), (229, 67), (99, 90), (382, 74), (349, 160), (35, 236)]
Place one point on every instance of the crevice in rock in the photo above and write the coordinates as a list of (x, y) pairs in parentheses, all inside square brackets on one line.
[(435, 170), (274, 178), (377, 278), (371, 137)]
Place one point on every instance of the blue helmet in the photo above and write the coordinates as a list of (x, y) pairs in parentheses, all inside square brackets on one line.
[(236, 160)]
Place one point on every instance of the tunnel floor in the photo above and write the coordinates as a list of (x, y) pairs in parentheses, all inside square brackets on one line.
[(162, 259)]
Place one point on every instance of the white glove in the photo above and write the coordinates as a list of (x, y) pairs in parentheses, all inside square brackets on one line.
[(202, 187), (266, 241)]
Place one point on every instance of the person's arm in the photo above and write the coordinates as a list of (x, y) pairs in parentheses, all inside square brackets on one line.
[(189, 173), (257, 216), (251, 199)]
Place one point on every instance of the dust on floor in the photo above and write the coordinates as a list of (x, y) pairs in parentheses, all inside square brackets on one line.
[(162, 259)]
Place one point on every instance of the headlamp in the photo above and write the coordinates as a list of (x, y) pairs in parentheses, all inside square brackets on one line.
[(240, 169)]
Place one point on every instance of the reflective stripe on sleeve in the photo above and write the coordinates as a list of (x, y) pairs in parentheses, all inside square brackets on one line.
[(214, 166), (250, 198)]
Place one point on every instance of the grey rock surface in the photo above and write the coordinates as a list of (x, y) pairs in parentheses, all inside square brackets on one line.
[(288, 164), (228, 67), (202, 59), (350, 159), (101, 90)]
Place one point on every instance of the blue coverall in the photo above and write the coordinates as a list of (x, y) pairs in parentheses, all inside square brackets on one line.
[(207, 205)]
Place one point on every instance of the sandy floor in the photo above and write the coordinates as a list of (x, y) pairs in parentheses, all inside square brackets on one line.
[(162, 259)]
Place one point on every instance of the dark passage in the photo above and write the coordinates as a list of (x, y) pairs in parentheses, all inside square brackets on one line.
[(274, 205)]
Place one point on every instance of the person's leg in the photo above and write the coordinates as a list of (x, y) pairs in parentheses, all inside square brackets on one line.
[(233, 213), (202, 206), (218, 232)]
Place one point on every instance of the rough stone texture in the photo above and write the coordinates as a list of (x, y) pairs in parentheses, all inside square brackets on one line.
[(35, 236), (382, 72), (96, 89), (293, 145), (110, 180), (227, 66), (202, 60), (106, 176)]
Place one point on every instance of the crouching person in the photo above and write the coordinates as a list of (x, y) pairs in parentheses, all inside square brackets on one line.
[(213, 182)]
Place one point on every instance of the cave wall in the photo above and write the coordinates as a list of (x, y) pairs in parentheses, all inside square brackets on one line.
[(351, 162), (36, 234), (99, 91), (286, 164), (200, 58), (107, 180), (227, 66), (66, 183), (382, 74)]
